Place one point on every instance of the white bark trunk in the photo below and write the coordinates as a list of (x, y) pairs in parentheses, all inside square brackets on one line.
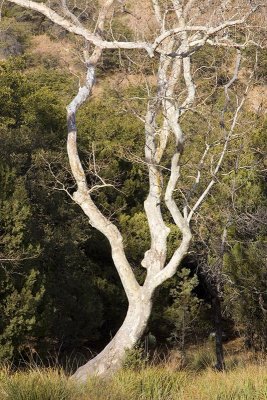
[(176, 41), (111, 358)]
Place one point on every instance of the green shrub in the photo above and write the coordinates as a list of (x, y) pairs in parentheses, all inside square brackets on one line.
[(135, 359)]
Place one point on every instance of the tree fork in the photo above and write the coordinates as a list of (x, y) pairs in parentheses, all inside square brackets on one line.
[(177, 37)]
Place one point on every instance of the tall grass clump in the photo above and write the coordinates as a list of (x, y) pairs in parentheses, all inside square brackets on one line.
[(200, 359), (35, 384), (248, 383), (151, 383)]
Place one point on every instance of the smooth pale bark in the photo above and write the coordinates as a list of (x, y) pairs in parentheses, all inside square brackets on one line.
[(111, 358)]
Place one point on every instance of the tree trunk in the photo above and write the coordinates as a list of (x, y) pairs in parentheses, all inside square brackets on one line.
[(111, 358), (217, 312)]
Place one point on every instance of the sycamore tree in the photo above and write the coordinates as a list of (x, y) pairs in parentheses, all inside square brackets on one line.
[(178, 29)]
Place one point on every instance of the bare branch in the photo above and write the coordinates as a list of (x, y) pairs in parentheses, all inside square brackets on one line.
[(80, 30), (19, 258), (207, 31), (157, 12), (82, 195), (75, 27), (227, 139), (69, 14)]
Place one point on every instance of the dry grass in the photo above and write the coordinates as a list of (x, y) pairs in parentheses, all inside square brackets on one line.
[(150, 383)]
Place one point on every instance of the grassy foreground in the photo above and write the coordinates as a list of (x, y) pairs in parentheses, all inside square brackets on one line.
[(151, 383)]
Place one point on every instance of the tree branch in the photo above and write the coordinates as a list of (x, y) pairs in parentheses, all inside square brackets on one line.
[(82, 195), (228, 137), (72, 27), (198, 28)]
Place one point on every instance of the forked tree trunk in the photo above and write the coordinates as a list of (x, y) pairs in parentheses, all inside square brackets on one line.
[(111, 358), (175, 41)]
